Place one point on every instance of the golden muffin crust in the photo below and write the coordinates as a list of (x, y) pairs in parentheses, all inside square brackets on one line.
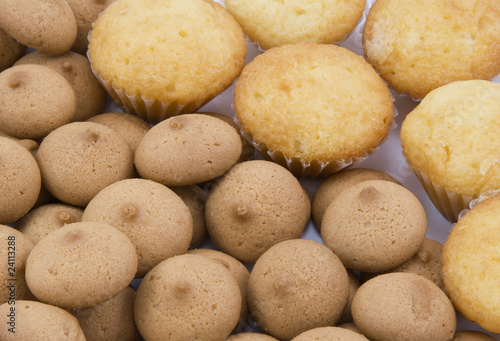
[(275, 23), (471, 270), (418, 46), (320, 106)]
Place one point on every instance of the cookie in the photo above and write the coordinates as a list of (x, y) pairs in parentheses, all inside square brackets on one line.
[(79, 159), (11, 49), (255, 205), (251, 337), (30, 320), (54, 30), (151, 215), (44, 219), (329, 333), (295, 286), (335, 183), (188, 297), (130, 127), (90, 95), (403, 306), (81, 265), (354, 283), (374, 226), (34, 100), (112, 320), (20, 181), (187, 149)]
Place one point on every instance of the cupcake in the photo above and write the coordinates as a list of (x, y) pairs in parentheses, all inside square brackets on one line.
[(451, 142), (313, 108), (275, 23), (161, 58), (418, 46)]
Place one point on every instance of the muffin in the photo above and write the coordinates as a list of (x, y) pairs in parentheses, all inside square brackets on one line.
[(187, 149), (335, 183), (374, 226), (54, 30), (331, 334), (471, 271), (79, 159), (11, 49), (38, 321), (187, 297), (34, 100), (90, 95), (450, 142), (254, 206), (271, 24), (313, 108), (151, 215), (20, 181), (418, 46), (81, 265), (44, 219), (162, 58), (403, 306), (295, 286)]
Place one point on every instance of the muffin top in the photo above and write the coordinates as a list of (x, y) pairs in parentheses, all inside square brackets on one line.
[(136, 45), (418, 46), (313, 102), (471, 270), (452, 138), (275, 23)]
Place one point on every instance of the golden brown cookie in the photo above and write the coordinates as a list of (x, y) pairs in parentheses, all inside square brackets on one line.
[(331, 334), (81, 265), (354, 283), (49, 27), (336, 183), (418, 46), (255, 205), (30, 320), (14, 250), (79, 159), (194, 197), (20, 181), (471, 270), (10, 50), (112, 320), (374, 226), (188, 297), (130, 127), (44, 219), (151, 215), (34, 100), (237, 269), (251, 337), (187, 149), (295, 286), (403, 306), (90, 95)]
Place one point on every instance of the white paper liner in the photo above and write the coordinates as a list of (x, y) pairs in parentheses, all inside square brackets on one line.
[(482, 197)]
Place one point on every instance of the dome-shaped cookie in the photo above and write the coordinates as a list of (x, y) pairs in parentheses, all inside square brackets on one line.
[(295, 286), (374, 226), (251, 337), (403, 306), (44, 219), (187, 149), (130, 127), (188, 297), (194, 197), (81, 265), (20, 181), (38, 321), (11, 50), (14, 249), (255, 205), (90, 95), (34, 100), (47, 26), (79, 159), (331, 334), (112, 320), (151, 215)]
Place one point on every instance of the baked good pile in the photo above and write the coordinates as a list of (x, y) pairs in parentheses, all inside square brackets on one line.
[(254, 170)]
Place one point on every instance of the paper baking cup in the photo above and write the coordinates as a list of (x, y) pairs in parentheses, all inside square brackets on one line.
[(450, 204)]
